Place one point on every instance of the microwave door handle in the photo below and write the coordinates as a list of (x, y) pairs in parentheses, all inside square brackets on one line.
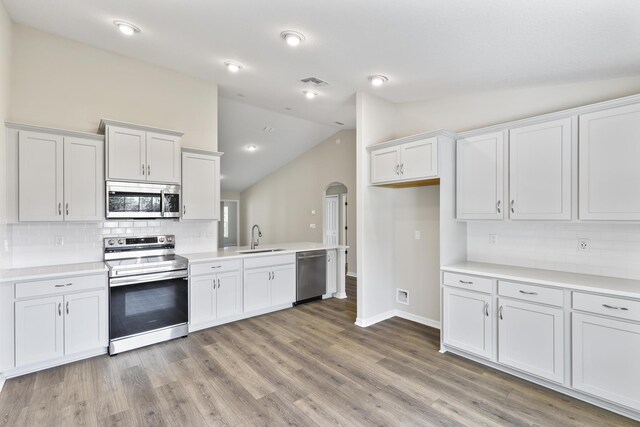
[(162, 203)]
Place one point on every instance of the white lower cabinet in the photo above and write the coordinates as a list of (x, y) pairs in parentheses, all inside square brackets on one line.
[(283, 285), (531, 338), (467, 321), (332, 271), (606, 358), (215, 297), (269, 286), (53, 327)]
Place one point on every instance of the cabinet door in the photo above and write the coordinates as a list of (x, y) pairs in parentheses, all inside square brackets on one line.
[(200, 186), (163, 158), (256, 286), (83, 179), (39, 330), (40, 176), (609, 148), (531, 338), (467, 321), (480, 177), (332, 271), (605, 358), (385, 165), (202, 297), (85, 322), (540, 171), (126, 154), (229, 294), (419, 159), (283, 285)]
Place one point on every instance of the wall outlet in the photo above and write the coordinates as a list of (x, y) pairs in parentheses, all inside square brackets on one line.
[(402, 296), (417, 235), (312, 226), (583, 245), (493, 239), (59, 240)]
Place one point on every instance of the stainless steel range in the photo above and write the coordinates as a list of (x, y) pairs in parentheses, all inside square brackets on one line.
[(148, 291)]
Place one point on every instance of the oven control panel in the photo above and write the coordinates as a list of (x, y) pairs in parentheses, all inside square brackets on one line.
[(139, 242)]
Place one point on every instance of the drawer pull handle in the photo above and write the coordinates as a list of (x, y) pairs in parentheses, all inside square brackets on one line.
[(217, 266), (613, 307), (466, 283), (528, 293), (60, 286), (501, 316)]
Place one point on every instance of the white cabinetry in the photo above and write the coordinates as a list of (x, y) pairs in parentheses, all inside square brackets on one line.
[(405, 161), (467, 321), (60, 177), (39, 330), (257, 283), (283, 285), (215, 297), (609, 150), (480, 177), (540, 171), (332, 271), (200, 185), (140, 153), (269, 282)]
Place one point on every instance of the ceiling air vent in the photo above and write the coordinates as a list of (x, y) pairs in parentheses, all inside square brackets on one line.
[(314, 81)]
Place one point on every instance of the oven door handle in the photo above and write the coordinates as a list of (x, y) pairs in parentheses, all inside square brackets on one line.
[(146, 278)]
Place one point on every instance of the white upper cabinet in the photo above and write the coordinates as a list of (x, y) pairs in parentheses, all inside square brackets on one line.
[(609, 159), (405, 162), (60, 178), (540, 171), (480, 177), (200, 185), (140, 153), (40, 169)]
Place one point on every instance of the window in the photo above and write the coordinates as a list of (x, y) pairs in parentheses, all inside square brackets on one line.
[(225, 219)]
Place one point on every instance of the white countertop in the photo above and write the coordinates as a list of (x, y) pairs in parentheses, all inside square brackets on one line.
[(583, 282), (49, 271), (232, 253)]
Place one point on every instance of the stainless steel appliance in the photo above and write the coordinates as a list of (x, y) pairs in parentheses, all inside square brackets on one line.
[(138, 200), (311, 281), (148, 291)]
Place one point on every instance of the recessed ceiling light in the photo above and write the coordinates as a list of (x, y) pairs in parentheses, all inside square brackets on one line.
[(310, 94), (251, 148), (293, 38), (234, 67), (378, 80), (126, 28)]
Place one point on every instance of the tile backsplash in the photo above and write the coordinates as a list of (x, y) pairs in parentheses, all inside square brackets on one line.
[(34, 244), (613, 249)]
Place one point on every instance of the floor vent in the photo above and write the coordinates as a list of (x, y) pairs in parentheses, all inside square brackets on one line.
[(402, 296)]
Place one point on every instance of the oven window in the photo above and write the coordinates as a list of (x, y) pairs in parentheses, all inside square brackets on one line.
[(147, 306)]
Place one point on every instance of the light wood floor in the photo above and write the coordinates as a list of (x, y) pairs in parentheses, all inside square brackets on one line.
[(304, 366)]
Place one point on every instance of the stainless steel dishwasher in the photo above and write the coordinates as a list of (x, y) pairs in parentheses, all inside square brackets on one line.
[(311, 281)]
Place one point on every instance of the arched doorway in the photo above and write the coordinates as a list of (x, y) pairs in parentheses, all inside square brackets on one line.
[(334, 230)]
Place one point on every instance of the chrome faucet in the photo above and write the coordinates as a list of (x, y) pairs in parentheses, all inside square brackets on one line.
[(255, 242)]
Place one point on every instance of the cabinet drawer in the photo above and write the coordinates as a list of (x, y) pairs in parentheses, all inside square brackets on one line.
[(609, 306), (531, 293), (480, 284), (268, 261), (58, 286), (214, 267)]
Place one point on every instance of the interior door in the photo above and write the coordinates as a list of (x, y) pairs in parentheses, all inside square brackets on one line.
[(419, 159), (40, 169), (126, 154), (332, 219), (39, 330), (163, 158), (83, 179), (85, 326), (229, 294)]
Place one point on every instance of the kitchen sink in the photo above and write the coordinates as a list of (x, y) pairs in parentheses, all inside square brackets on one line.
[(259, 251)]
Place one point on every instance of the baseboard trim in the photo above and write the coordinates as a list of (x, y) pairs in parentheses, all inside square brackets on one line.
[(340, 295), (350, 274), (363, 323), (2, 380)]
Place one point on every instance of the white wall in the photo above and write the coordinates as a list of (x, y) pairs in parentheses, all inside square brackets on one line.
[(282, 202), (5, 92)]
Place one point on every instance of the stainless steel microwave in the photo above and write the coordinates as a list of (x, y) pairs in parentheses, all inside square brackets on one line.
[(134, 200)]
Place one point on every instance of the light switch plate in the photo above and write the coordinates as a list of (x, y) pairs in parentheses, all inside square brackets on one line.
[(312, 226), (417, 234)]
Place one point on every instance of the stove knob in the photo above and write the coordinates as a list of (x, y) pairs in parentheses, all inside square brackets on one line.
[(121, 241), (161, 239), (169, 239), (111, 242)]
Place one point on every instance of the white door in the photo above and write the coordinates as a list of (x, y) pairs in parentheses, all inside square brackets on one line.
[(85, 322), (467, 321), (257, 293), (200, 186), (163, 158), (83, 179), (40, 169), (332, 220), (126, 154), (540, 171), (229, 294), (283, 285), (385, 165), (202, 297), (39, 330), (480, 177), (332, 271), (419, 159), (531, 338), (609, 150), (605, 359)]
